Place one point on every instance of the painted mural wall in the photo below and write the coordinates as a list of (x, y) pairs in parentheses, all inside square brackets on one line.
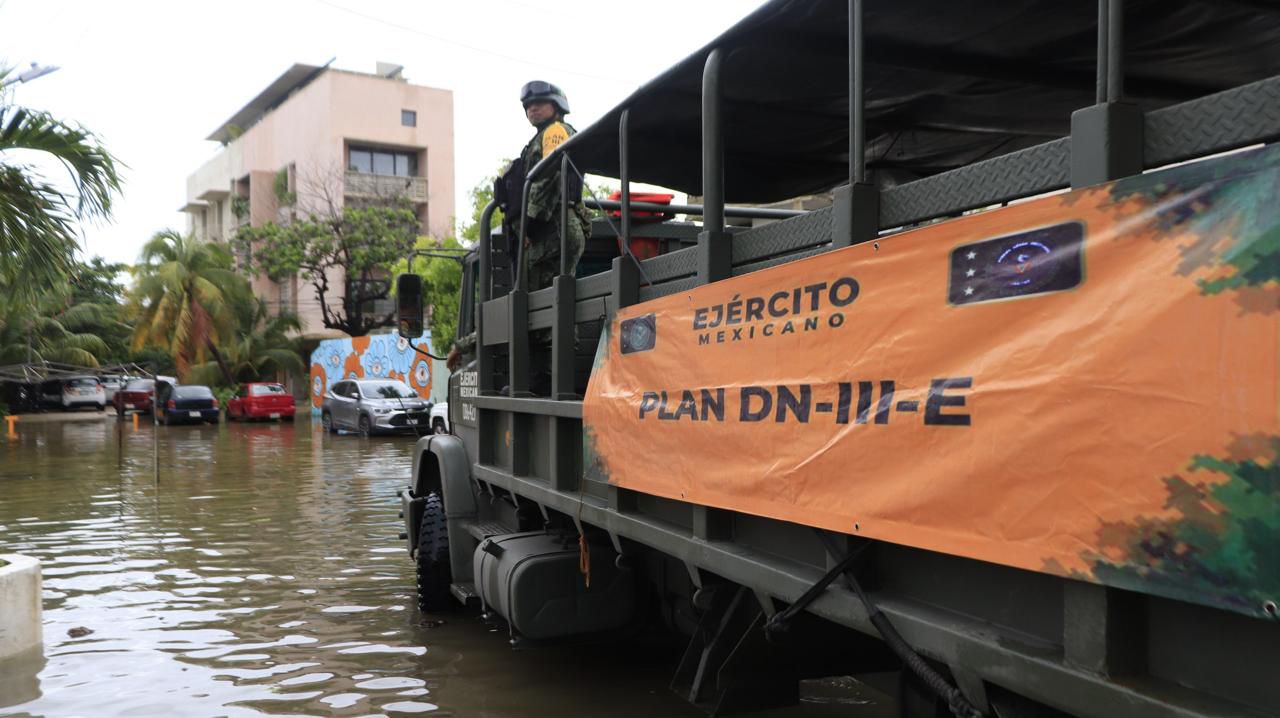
[(384, 356)]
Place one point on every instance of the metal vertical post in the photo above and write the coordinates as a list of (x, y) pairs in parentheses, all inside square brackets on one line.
[(624, 172), (518, 310), (715, 251), (855, 216), (1103, 625), (564, 214), (1106, 138), (1115, 50), (857, 106), (563, 303), (715, 258), (712, 143), (484, 354), (1103, 51)]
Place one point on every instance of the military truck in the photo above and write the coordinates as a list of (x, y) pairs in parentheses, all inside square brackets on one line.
[(1000, 421)]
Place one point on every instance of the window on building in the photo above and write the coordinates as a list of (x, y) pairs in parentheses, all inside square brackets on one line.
[(382, 162), (409, 118), (360, 161)]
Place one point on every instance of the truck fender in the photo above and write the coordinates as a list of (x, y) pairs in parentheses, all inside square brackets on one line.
[(440, 463)]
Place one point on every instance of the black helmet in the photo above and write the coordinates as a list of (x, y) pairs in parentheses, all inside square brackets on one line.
[(539, 91)]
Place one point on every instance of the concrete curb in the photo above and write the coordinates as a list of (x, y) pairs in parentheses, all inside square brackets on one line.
[(20, 621)]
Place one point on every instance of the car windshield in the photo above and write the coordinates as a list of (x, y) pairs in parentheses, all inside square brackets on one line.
[(265, 389), (82, 383), (140, 385), (387, 390), (192, 392)]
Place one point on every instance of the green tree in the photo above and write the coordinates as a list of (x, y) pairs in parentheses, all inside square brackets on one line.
[(263, 348), (42, 330), (38, 219), (481, 196), (359, 243), (184, 295), (96, 304)]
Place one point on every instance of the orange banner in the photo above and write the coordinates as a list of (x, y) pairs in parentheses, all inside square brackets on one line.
[(1084, 384)]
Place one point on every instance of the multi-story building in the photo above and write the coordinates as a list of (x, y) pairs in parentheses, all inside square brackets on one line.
[(318, 137)]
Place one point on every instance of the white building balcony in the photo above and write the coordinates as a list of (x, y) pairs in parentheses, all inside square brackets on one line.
[(365, 185)]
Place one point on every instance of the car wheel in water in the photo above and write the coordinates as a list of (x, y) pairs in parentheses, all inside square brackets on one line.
[(437, 426), (432, 558), (326, 420), (366, 429)]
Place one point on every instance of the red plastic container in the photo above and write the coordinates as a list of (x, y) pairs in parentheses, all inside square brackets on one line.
[(651, 198)]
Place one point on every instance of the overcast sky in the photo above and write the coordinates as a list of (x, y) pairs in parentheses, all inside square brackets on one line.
[(154, 78)]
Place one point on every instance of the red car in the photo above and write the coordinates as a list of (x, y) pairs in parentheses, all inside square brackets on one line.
[(137, 394), (260, 400)]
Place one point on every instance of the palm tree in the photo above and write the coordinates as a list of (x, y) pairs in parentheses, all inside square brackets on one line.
[(46, 330), (263, 349), (185, 295), (37, 219)]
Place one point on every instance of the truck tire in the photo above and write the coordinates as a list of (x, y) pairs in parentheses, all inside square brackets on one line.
[(432, 558)]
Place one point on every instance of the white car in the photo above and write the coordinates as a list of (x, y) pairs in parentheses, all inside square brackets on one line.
[(74, 392), (440, 418), (112, 383)]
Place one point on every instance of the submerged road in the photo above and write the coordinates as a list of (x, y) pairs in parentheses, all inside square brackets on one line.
[(243, 570)]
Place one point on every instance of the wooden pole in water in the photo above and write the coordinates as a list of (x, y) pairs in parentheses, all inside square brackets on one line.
[(11, 420)]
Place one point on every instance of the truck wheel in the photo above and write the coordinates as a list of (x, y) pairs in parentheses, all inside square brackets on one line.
[(437, 426), (432, 556)]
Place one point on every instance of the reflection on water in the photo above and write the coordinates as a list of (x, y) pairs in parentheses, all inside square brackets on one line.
[(249, 569)]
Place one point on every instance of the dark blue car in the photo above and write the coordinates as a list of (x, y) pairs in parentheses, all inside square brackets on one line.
[(186, 403)]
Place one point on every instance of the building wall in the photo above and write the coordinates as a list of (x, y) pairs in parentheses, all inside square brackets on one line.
[(311, 131)]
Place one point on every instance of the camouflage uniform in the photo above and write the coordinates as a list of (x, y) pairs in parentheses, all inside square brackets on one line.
[(543, 235)]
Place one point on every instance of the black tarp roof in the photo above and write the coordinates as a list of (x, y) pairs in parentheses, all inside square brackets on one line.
[(949, 82)]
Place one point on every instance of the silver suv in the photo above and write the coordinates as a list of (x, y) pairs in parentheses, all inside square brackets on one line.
[(373, 406)]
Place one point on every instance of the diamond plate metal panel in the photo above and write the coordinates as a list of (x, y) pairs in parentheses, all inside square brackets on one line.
[(806, 230), (1234, 118), (1018, 174), (662, 290)]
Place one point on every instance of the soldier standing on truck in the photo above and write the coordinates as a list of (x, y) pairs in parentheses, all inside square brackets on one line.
[(545, 106)]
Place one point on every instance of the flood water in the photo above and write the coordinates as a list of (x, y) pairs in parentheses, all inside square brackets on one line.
[(255, 569)]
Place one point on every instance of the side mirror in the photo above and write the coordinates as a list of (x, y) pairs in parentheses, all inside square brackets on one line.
[(409, 305)]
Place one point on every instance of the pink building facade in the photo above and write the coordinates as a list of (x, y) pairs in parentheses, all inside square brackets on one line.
[(319, 136)]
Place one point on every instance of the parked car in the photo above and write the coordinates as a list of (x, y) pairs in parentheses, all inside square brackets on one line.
[(260, 400), (440, 418), (185, 403), (111, 383), (373, 406), (137, 394), (73, 393)]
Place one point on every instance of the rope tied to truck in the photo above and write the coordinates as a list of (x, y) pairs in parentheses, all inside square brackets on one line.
[(624, 243)]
